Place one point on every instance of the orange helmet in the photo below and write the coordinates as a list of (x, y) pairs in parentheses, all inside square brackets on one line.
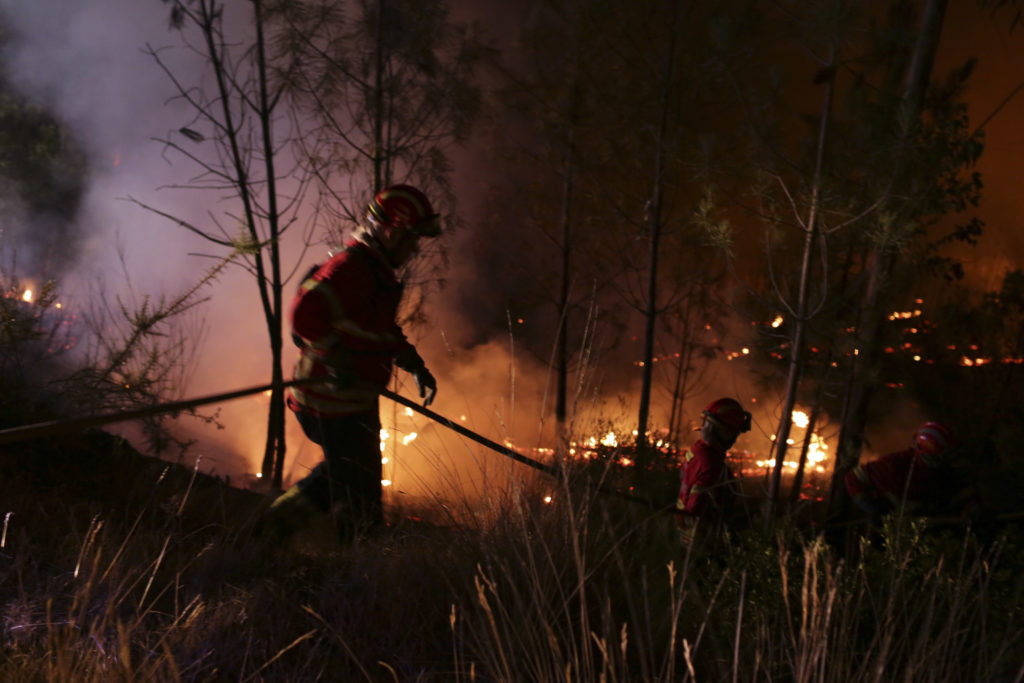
[(729, 414), (404, 208), (935, 443)]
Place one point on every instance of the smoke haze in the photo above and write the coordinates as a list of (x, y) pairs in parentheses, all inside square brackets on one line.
[(83, 60)]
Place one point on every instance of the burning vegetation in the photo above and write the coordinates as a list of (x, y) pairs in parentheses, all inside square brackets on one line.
[(118, 566)]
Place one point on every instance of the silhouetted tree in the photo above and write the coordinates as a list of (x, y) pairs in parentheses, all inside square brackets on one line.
[(386, 90), (240, 137)]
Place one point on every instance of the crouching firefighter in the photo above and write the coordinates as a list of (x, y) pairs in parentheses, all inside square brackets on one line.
[(705, 486), (343, 319), (918, 480)]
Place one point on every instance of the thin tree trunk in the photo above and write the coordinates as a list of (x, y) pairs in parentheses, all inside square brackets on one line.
[(796, 358), (275, 429), (562, 352), (682, 376), (643, 454), (210, 15), (883, 260), (562, 348), (798, 477), (378, 114)]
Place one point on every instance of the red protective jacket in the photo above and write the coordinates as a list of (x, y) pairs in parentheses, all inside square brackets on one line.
[(343, 318), (704, 477), (887, 480)]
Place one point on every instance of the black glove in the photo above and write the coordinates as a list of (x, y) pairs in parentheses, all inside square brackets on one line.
[(427, 385), (411, 362)]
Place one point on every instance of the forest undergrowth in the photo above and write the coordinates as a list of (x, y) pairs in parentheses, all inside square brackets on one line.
[(117, 567)]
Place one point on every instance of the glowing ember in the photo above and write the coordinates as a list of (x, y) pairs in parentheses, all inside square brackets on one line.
[(816, 450), (905, 315), (788, 464), (409, 438), (408, 412), (547, 499), (777, 321), (385, 482), (800, 419), (27, 296), (385, 460), (609, 439)]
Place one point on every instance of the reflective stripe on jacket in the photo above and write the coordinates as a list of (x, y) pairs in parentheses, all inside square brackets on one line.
[(703, 496), (343, 318), (896, 475), (703, 473)]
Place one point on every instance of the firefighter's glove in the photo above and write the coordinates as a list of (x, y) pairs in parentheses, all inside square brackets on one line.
[(427, 385), (409, 360)]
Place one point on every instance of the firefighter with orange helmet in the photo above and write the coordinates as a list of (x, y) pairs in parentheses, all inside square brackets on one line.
[(916, 479), (343, 319), (705, 475)]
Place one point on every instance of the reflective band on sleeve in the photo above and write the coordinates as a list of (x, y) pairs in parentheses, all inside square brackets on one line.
[(341, 403), (316, 287)]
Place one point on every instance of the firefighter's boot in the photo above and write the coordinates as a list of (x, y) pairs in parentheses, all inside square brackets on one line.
[(291, 511)]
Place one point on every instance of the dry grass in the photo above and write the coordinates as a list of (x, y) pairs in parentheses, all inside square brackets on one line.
[(144, 582)]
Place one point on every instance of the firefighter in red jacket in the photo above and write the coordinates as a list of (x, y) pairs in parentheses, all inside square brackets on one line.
[(705, 476), (916, 479), (343, 319)]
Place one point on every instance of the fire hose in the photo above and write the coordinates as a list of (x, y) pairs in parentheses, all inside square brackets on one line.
[(76, 424)]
